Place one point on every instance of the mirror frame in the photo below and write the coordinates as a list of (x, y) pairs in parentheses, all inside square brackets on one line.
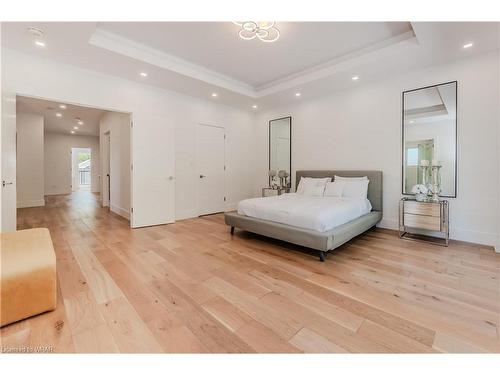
[(403, 136), (269, 155)]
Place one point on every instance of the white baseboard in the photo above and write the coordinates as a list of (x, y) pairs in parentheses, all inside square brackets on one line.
[(389, 223), (187, 214), (120, 211), (32, 203), (482, 238), (190, 214), (231, 206)]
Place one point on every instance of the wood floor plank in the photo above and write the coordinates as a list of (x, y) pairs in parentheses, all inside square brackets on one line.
[(275, 320), (311, 342), (97, 339), (214, 335), (102, 285), (129, 331)]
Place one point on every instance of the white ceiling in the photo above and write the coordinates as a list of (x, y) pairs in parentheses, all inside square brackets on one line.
[(217, 46), (64, 124), (200, 58)]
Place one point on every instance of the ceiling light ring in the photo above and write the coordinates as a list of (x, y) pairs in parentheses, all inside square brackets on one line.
[(246, 35), (250, 26), (269, 38), (262, 33)]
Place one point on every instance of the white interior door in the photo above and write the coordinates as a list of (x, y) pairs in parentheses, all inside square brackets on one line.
[(210, 161), (106, 169), (74, 169), (8, 188)]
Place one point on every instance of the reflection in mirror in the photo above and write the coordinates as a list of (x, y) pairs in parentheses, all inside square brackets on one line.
[(429, 138), (280, 158)]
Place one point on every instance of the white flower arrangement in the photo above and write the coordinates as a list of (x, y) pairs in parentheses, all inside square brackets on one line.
[(421, 192), (420, 189)]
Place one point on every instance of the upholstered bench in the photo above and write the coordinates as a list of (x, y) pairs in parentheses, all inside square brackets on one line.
[(28, 284)]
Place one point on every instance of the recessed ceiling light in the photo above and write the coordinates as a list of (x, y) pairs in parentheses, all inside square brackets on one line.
[(75, 127), (58, 114), (62, 106), (143, 74), (37, 35), (72, 132), (214, 95), (255, 106), (80, 122), (355, 78), (298, 94), (468, 45), (411, 121)]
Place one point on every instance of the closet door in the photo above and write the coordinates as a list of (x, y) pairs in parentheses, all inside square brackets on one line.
[(210, 162)]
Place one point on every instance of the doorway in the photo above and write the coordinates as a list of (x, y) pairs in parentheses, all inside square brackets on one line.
[(210, 162), (81, 169)]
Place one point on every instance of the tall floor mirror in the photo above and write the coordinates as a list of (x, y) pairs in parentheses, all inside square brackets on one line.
[(430, 138), (280, 148)]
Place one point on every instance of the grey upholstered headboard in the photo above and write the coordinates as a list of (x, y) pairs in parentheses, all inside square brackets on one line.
[(374, 187)]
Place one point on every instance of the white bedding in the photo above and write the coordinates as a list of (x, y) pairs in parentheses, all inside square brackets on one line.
[(317, 213)]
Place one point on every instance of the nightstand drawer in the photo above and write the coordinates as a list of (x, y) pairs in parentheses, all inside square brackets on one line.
[(422, 221), (419, 208)]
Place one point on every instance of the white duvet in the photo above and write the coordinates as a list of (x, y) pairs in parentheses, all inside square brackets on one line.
[(317, 213)]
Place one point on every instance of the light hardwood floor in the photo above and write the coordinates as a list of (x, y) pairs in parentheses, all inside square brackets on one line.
[(192, 287)]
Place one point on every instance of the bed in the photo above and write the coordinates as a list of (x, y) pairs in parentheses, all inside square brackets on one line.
[(299, 220)]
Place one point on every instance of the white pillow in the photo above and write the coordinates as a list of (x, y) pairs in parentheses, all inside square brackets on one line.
[(314, 191), (334, 189), (356, 189), (339, 178), (306, 182)]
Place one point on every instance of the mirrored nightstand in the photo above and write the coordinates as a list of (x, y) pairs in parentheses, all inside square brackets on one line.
[(429, 219), (278, 191)]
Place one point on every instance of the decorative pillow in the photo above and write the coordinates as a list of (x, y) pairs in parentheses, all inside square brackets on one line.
[(314, 191), (356, 189), (306, 182), (334, 189)]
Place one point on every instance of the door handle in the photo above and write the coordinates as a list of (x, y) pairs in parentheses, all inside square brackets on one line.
[(202, 176), (5, 183)]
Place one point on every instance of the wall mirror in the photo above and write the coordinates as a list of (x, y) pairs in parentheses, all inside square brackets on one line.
[(280, 148), (430, 138)]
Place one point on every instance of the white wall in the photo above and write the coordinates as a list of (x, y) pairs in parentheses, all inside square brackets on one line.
[(155, 113), (58, 161), (30, 170), (360, 128), (118, 125)]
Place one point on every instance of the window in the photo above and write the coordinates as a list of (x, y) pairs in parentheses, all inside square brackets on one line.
[(412, 156)]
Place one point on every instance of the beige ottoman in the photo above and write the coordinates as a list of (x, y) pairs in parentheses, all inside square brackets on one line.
[(28, 284)]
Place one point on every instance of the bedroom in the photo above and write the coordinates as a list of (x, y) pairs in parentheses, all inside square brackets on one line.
[(325, 187)]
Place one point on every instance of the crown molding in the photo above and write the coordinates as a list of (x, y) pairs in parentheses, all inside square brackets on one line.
[(124, 46), (339, 64)]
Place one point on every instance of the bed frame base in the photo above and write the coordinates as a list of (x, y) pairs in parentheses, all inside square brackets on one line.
[(320, 241)]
